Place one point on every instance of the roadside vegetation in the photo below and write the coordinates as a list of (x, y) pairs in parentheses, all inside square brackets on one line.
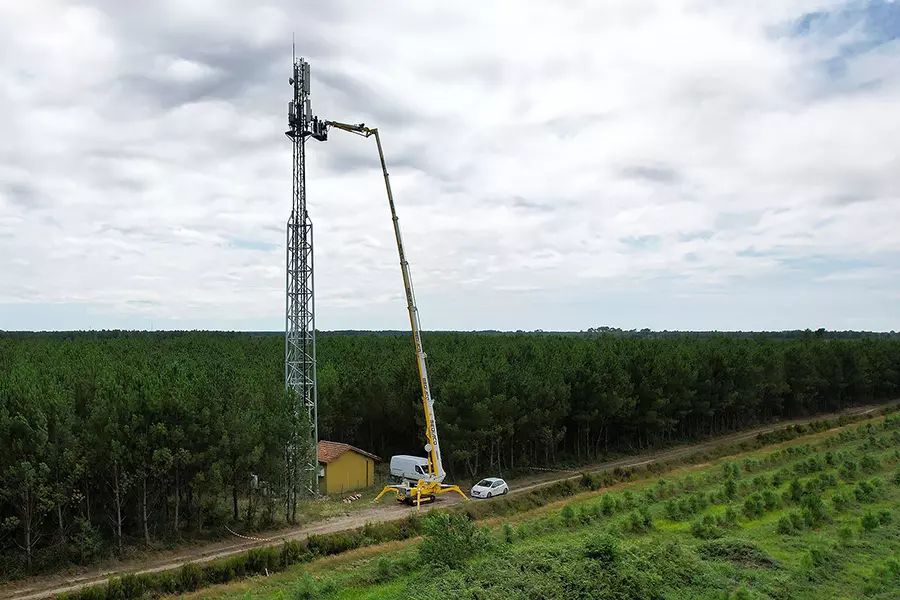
[(796, 522), (115, 442), (789, 521)]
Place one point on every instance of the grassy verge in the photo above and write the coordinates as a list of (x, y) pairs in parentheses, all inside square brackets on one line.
[(270, 560), (816, 518)]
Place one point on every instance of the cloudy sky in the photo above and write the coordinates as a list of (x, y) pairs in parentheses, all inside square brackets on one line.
[(680, 164)]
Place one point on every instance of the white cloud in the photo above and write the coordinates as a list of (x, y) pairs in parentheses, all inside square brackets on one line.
[(548, 159)]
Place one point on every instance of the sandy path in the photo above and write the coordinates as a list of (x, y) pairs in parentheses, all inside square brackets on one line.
[(37, 588)]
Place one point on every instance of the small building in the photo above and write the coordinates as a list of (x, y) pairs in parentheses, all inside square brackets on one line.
[(343, 468)]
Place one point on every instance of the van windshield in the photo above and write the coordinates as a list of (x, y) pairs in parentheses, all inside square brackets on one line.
[(484, 483)]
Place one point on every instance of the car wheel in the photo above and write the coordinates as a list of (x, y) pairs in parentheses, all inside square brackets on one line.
[(489, 495), (504, 491)]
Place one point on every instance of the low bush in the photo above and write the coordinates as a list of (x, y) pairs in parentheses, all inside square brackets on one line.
[(814, 513), (603, 548), (607, 504), (640, 520), (754, 506), (791, 523), (869, 464), (740, 552), (869, 521), (705, 528), (771, 500), (305, 588), (840, 501), (848, 470), (450, 540), (865, 492)]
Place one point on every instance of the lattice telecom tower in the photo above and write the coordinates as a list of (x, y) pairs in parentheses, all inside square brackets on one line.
[(300, 324)]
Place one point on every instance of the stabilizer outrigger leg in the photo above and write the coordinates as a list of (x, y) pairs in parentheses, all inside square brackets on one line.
[(414, 495)]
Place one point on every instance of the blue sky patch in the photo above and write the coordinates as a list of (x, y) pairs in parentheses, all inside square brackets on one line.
[(877, 23)]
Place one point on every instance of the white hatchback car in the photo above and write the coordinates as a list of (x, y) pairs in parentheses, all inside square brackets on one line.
[(490, 487)]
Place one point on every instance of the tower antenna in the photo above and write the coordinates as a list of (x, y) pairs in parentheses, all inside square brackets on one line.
[(300, 326)]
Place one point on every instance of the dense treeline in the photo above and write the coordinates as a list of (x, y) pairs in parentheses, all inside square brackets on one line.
[(112, 439)]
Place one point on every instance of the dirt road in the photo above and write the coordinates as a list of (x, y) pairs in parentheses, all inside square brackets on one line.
[(43, 587)]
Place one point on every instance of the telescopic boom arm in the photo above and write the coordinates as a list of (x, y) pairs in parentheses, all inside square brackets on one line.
[(435, 466)]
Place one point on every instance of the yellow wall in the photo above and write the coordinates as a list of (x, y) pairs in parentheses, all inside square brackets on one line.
[(351, 471)]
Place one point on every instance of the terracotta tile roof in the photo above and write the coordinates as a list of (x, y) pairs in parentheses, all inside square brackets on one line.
[(330, 451)]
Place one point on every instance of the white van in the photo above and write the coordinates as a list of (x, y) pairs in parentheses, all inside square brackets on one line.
[(410, 468)]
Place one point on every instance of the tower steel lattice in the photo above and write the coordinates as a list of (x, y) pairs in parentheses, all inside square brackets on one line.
[(300, 324)]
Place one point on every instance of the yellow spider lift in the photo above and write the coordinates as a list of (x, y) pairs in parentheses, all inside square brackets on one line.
[(431, 484)]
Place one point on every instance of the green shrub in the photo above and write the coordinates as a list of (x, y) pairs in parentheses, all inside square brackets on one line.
[(450, 540), (136, 585), (814, 513), (567, 515), (729, 518), (294, 552), (848, 470), (771, 500), (869, 521), (640, 520), (885, 517), (306, 588), (780, 477), (114, 589), (730, 489), (869, 464), (673, 509), (796, 490), (260, 559), (86, 544), (786, 526), (190, 577), (607, 504), (840, 501), (604, 548), (864, 492), (384, 569), (166, 582), (754, 506), (705, 528)]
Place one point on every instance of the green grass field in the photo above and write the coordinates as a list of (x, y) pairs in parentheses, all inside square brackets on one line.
[(814, 518)]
